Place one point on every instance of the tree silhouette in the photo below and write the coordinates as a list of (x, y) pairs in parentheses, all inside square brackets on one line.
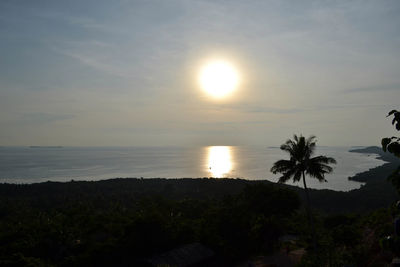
[(392, 145), (301, 163)]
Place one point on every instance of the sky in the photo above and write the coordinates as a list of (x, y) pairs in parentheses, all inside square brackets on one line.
[(125, 73)]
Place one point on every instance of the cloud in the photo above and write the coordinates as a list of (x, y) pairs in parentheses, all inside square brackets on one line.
[(378, 88), (41, 118), (95, 63), (256, 108), (261, 109)]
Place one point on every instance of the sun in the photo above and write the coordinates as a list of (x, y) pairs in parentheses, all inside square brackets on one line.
[(219, 78)]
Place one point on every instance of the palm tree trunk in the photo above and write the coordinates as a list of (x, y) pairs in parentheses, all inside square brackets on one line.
[(310, 219)]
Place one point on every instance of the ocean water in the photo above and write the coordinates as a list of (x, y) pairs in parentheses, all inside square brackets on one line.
[(31, 165)]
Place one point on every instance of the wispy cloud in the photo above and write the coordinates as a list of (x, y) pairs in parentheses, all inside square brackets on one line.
[(95, 63), (35, 118), (256, 108), (384, 87), (41, 117)]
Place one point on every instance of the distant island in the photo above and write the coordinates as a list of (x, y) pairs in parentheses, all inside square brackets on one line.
[(385, 156), (45, 146)]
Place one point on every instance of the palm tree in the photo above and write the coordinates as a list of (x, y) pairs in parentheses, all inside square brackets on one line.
[(301, 163)]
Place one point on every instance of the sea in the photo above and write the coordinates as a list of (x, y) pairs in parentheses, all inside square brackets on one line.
[(24, 165)]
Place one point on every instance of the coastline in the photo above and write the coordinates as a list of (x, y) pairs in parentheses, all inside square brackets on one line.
[(376, 193), (90, 164), (388, 158)]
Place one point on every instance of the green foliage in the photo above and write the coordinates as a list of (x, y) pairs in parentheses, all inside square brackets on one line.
[(394, 177), (122, 222), (392, 145), (396, 118), (102, 224), (351, 240)]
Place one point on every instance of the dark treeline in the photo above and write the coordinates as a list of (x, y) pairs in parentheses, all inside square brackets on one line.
[(126, 222)]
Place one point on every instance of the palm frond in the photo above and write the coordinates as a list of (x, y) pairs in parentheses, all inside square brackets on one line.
[(297, 175), (289, 146), (310, 145), (282, 166), (292, 173), (285, 176), (318, 174), (323, 160), (311, 139), (318, 166)]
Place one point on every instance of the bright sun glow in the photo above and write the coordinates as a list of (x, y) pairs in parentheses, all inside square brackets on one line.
[(219, 160), (219, 78)]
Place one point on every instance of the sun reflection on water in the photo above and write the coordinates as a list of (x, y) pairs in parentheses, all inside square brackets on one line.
[(219, 160)]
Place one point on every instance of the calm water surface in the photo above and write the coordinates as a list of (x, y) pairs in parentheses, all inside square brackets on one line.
[(29, 165)]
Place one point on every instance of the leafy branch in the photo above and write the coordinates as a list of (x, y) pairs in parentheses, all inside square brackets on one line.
[(392, 144)]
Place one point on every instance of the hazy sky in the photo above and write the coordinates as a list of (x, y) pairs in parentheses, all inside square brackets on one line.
[(125, 72)]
